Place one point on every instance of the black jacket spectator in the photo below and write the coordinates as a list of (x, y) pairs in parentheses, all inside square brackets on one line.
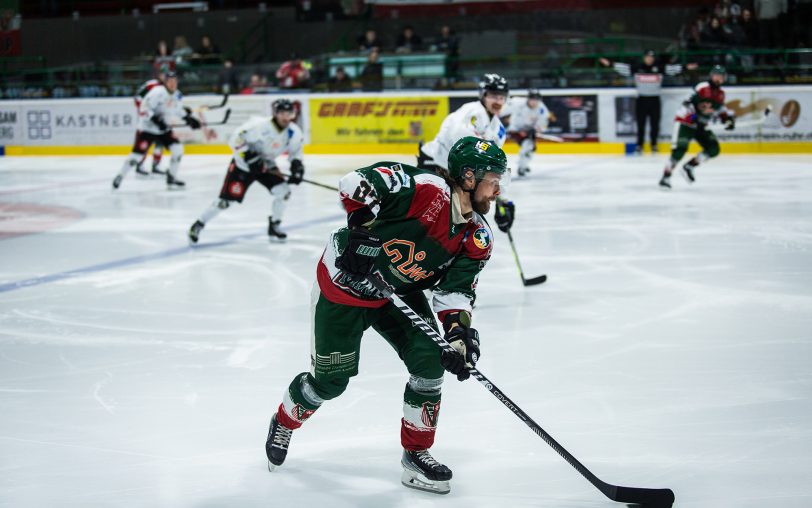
[(372, 75), (408, 41)]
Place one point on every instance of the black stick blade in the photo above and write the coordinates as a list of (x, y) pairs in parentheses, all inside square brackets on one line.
[(541, 279), (649, 498)]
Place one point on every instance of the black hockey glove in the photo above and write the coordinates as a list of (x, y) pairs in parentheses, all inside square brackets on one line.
[(730, 123), (504, 214), (466, 342), (358, 258), (296, 172), (254, 161), (159, 122), (191, 121)]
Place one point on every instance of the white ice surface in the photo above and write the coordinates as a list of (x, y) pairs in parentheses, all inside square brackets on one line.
[(671, 346)]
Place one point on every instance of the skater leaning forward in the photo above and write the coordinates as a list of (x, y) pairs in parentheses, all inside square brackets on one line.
[(705, 104), (416, 230)]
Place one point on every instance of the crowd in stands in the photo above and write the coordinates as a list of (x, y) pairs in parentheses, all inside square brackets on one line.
[(762, 24)]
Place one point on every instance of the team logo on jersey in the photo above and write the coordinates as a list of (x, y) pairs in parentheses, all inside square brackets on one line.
[(481, 238), (482, 146), (431, 410), (394, 177), (404, 250)]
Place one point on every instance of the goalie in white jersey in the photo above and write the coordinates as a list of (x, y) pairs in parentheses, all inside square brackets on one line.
[(526, 118), (159, 107), (479, 119), (256, 145)]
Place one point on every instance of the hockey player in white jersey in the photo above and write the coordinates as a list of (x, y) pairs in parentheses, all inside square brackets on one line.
[(480, 119), (256, 145), (526, 118), (159, 107)]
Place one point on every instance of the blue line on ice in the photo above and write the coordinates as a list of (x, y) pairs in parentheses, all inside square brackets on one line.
[(136, 260)]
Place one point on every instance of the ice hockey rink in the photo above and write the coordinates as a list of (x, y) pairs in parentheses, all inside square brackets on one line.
[(670, 346)]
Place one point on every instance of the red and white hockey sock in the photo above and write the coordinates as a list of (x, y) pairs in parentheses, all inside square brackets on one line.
[(421, 409)]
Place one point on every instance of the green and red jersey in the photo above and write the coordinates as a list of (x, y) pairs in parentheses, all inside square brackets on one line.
[(427, 243), (692, 112)]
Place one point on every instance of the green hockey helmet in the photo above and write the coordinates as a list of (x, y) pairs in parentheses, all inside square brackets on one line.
[(718, 69), (480, 156)]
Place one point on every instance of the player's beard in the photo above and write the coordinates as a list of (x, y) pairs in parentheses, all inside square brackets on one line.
[(481, 206)]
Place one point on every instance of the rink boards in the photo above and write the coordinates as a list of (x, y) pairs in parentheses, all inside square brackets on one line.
[(589, 120)]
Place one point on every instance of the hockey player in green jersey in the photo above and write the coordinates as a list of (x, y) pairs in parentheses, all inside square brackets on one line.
[(706, 102), (415, 230)]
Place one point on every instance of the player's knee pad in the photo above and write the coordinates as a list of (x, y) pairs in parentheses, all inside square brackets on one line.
[(223, 204), (711, 149), (281, 190), (177, 151), (528, 146), (328, 387), (425, 386)]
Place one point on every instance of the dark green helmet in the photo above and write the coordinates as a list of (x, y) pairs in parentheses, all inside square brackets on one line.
[(479, 155), (718, 69)]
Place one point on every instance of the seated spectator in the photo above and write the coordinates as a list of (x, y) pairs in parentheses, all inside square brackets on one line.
[(340, 82), (713, 36), (182, 51), (294, 73), (207, 53), (228, 78), (253, 85), (372, 75), (369, 41), (408, 41), (749, 27), (162, 57)]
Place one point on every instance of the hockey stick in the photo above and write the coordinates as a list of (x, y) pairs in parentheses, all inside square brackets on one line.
[(550, 137), (653, 498), (206, 124), (527, 282), (311, 182), (746, 123), (222, 103)]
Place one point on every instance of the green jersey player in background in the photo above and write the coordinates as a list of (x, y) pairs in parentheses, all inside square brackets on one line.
[(414, 230)]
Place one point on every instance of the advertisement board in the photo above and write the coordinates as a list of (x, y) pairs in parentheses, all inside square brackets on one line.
[(376, 120), (789, 120)]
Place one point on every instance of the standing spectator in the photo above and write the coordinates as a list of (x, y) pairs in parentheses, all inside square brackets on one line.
[(207, 53), (228, 78), (408, 41), (449, 44), (749, 27), (340, 82), (369, 41), (372, 75), (767, 13)]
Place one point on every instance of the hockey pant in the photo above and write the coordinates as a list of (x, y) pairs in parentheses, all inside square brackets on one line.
[(682, 137), (236, 184), (143, 140), (335, 349)]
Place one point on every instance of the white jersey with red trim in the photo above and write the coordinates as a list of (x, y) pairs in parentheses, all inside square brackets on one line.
[(159, 102), (471, 119), (262, 136)]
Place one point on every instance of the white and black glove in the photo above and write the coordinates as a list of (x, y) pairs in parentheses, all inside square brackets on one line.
[(465, 341), (358, 259), (191, 121)]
